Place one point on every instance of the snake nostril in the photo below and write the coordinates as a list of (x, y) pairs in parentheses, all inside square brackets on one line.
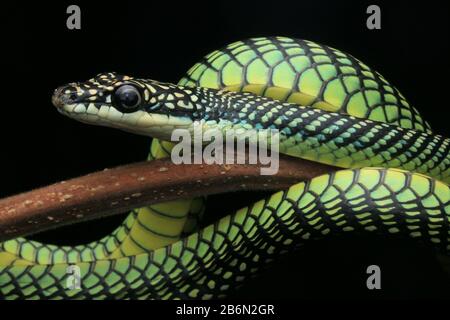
[(62, 96)]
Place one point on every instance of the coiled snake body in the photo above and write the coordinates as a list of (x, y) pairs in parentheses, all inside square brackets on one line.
[(328, 106)]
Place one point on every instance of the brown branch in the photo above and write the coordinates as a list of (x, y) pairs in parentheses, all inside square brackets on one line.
[(117, 190)]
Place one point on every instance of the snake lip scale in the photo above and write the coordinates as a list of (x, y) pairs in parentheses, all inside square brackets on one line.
[(328, 106)]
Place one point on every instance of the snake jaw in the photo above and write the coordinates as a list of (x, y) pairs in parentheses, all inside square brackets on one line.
[(140, 122)]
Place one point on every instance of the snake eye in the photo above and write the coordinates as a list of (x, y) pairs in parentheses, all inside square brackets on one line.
[(127, 98)]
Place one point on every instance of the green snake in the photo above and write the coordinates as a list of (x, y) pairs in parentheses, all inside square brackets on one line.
[(328, 106)]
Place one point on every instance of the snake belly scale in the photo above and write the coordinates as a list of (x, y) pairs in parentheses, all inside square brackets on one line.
[(328, 106)]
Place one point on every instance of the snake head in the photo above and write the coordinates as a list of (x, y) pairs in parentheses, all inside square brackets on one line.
[(140, 106)]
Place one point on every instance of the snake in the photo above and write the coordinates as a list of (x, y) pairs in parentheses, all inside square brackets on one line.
[(327, 106)]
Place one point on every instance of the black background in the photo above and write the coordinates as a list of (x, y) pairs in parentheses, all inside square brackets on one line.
[(162, 40)]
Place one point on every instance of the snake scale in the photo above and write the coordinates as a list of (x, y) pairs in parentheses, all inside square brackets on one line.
[(328, 107)]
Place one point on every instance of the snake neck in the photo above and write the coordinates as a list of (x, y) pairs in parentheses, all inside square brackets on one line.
[(330, 138)]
